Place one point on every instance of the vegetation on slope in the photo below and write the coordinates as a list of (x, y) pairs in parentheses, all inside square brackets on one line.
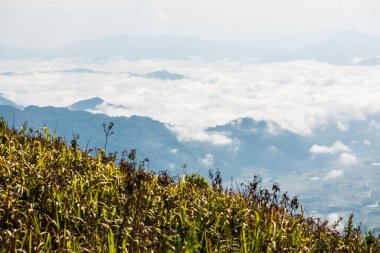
[(56, 197)]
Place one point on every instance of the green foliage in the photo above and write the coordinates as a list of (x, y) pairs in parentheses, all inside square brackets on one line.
[(55, 197)]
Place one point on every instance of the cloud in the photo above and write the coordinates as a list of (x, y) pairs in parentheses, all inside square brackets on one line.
[(342, 127), (293, 94), (367, 142), (332, 218), (208, 160), (161, 15), (334, 174), (174, 151), (337, 147), (348, 159), (185, 133)]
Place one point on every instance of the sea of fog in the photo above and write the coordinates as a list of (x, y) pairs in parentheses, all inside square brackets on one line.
[(297, 95)]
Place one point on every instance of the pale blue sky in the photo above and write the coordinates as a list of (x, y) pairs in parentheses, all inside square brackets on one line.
[(47, 23)]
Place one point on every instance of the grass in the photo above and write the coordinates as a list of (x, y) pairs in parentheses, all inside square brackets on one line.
[(56, 197)]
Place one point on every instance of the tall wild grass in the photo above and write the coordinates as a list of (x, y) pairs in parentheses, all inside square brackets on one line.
[(55, 197)]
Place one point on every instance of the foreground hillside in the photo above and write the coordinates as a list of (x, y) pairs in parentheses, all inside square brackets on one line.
[(56, 197)]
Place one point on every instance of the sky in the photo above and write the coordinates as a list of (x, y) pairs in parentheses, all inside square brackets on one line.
[(49, 23)]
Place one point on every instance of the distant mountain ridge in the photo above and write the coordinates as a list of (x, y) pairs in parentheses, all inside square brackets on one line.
[(159, 74), (93, 104), (151, 138), (76, 119), (370, 61), (87, 104), (339, 49), (5, 101), (165, 75), (15, 52)]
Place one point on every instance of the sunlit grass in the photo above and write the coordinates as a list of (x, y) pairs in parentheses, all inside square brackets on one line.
[(55, 197)]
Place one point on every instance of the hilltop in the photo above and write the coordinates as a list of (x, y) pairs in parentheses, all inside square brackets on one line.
[(57, 197)]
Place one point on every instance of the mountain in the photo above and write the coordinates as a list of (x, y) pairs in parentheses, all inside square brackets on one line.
[(5, 101), (156, 47), (164, 75), (259, 149), (255, 144), (8, 73), (339, 49), (80, 71), (87, 104), (160, 74), (280, 150), (371, 61), (151, 138), (136, 47), (339, 157), (15, 52), (93, 105)]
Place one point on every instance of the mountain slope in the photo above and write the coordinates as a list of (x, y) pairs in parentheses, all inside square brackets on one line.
[(371, 61), (338, 157), (14, 52), (339, 49), (164, 75), (5, 101), (87, 104), (128, 132)]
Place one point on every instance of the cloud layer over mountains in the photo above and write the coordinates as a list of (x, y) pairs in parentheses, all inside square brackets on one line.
[(300, 96)]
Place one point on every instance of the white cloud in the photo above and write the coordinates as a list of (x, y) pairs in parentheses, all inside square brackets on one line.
[(272, 128), (215, 93), (373, 205), (348, 159), (367, 142), (161, 15), (334, 174), (208, 160), (337, 147), (185, 133), (273, 148), (174, 151), (332, 218), (342, 127)]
